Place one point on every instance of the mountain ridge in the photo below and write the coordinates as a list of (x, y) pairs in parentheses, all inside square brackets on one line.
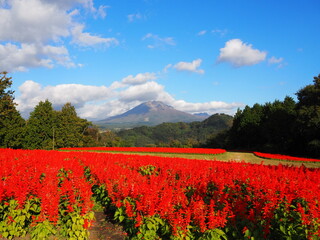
[(149, 113)]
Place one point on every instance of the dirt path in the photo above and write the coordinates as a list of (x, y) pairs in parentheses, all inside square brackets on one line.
[(104, 229)]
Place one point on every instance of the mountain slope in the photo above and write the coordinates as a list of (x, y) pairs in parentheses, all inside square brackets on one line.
[(178, 134), (149, 113)]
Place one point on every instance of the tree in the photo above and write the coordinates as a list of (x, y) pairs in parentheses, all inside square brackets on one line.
[(308, 120), (277, 126), (11, 123), (70, 128), (246, 129), (41, 127)]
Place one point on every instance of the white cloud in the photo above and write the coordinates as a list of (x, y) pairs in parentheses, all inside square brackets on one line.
[(20, 58), (274, 60), (190, 66), (99, 102), (220, 32), (86, 39), (209, 107), (278, 61), (101, 11), (41, 29), (30, 21), (158, 42), (203, 32), (166, 68), (240, 54), (145, 92), (134, 16), (78, 95), (140, 78)]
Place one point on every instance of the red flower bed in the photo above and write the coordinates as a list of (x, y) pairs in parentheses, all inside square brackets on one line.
[(284, 157), (42, 189), (157, 197), (151, 150)]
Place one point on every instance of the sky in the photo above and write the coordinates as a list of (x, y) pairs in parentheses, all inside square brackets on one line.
[(107, 56)]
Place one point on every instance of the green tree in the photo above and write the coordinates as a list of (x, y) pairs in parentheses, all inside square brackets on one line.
[(278, 125), (11, 123), (308, 120), (70, 128), (41, 127), (246, 132)]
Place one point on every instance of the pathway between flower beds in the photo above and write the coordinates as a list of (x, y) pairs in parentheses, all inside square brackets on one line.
[(105, 229)]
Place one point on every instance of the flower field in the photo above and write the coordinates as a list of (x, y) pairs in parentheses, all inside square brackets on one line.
[(284, 157), (151, 150), (44, 193)]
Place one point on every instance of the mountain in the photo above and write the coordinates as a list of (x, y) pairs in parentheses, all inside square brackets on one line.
[(149, 113), (179, 134), (204, 115)]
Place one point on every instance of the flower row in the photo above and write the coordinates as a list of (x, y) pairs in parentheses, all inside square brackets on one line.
[(194, 198), (155, 197), (41, 191), (284, 157), (151, 150)]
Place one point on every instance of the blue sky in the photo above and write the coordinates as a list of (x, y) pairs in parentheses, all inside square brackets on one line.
[(106, 57)]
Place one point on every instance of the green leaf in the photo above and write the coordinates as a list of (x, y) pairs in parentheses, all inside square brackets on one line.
[(121, 218), (150, 226)]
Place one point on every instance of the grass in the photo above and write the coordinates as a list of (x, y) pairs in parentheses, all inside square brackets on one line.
[(231, 156)]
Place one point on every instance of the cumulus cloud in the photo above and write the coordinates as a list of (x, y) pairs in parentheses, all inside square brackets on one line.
[(31, 21), (99, 102), (159, 42), (35, 33), (240, 54), (209, 107), (31, 93), (145, 92), (20, 58), (139, 78), (190, 66)]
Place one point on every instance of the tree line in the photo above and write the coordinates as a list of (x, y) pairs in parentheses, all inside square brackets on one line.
[(46, 128), (286, 126)]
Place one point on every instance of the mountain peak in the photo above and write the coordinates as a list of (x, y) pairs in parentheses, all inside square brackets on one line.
[(148, 113), (157, 105)]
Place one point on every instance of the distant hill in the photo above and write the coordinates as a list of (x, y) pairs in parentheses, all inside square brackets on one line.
[(149, 113), (178, 134)]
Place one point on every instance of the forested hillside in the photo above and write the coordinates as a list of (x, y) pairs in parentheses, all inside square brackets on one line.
[(282, 126), (176, 134), (46, 128), (287, 127)]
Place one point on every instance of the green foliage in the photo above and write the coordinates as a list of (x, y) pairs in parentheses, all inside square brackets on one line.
[(148, 170), (214, 234), (69, 129), (13, 220), (40, 127), (281, 126), (308, 120), (287, 224), (176, 134), (11, 123), (43, 230), (153, 227)]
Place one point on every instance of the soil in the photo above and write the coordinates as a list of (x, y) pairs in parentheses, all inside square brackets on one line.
[(105, 229)]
